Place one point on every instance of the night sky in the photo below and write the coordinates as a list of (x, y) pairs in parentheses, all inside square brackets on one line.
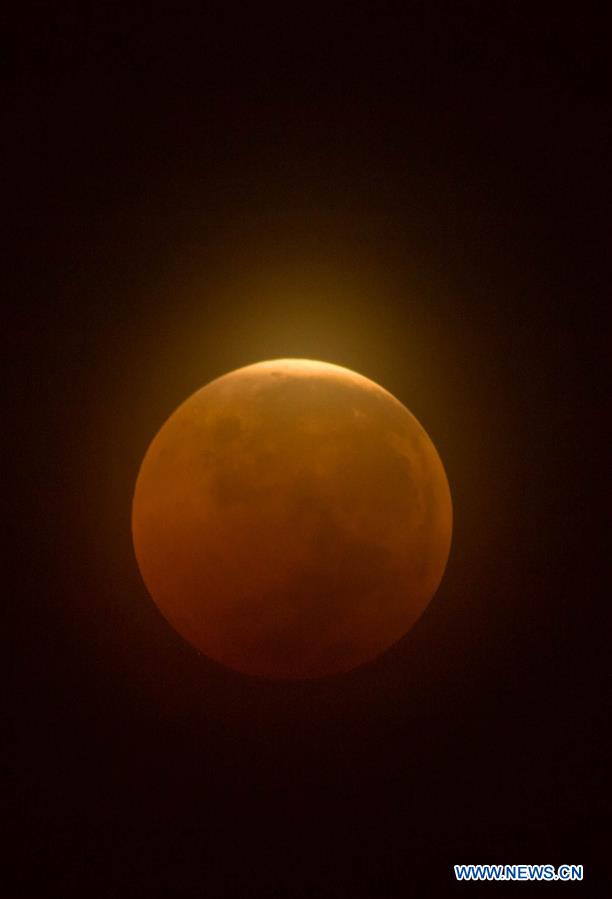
[(417, 191)]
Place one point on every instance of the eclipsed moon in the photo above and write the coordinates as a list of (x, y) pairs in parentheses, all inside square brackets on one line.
[(292, 519)]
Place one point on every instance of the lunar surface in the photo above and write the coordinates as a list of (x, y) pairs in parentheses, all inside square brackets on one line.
[(292, 519)]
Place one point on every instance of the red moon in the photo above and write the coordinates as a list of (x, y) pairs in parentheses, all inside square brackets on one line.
[(292, 519)]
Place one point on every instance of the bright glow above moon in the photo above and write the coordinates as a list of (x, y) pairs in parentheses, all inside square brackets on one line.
[(292, 519)]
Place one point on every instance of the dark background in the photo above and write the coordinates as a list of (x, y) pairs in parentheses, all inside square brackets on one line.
[(416, 191)]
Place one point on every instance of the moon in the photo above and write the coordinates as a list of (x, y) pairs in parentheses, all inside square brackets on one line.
[(292, 519)]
